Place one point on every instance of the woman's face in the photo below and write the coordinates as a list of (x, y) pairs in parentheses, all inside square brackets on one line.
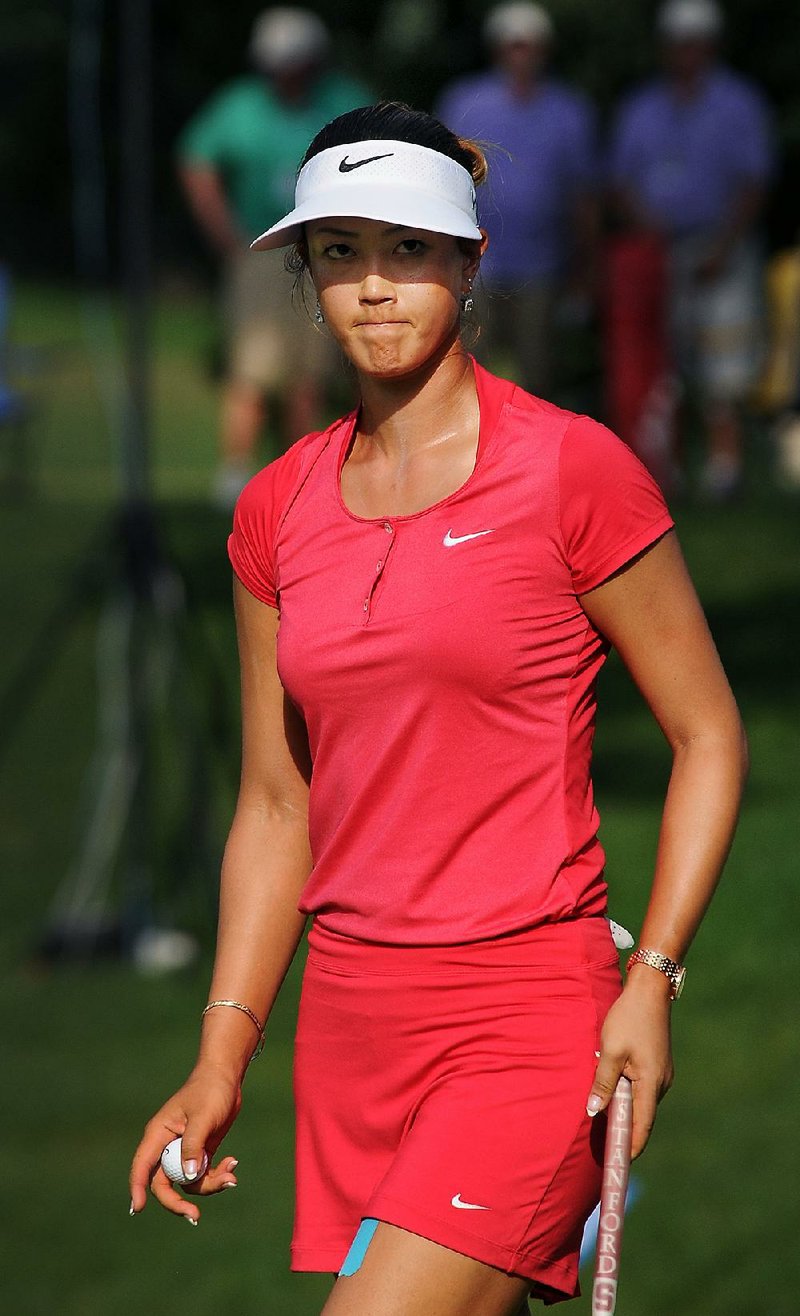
[(390, 295)]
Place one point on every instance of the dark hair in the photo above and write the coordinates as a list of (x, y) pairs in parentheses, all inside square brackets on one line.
[(389, 121), (394, 121)]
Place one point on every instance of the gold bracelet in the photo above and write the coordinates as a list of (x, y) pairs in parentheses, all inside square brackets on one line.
[(245, 1009), (674, 972)]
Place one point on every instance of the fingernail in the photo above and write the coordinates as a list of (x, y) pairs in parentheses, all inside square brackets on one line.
[(229, 1185), (130, 1209), (232, 1165), (189, 1172), (593, 1105), (191, 1220)]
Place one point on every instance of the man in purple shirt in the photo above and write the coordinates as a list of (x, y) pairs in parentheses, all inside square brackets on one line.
[(690, 159), (541, 209)]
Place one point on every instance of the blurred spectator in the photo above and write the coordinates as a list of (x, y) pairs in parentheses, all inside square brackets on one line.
[(778, 395), (237, 162), (691, 156), (641, 388), (541, 213)]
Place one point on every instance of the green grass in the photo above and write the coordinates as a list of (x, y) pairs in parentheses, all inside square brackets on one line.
[(89, 1050)]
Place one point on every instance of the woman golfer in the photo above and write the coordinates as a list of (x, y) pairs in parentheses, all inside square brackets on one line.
[(425, 594)]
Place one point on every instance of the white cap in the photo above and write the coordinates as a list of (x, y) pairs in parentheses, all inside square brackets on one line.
[(283, 39), (398, 182), (518, 21), (689, 20)]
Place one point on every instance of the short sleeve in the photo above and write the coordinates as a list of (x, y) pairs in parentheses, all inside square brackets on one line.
[(751, 131), (260, 511), (611, 508), (205, 138), (251, 545)]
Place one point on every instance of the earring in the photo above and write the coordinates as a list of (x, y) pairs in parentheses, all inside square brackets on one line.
[(319, 318), (467, 302)]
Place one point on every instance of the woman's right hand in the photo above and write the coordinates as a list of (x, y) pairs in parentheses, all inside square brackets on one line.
[(201, 1113)]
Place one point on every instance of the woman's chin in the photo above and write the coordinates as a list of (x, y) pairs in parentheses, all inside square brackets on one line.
[(395, 360), (387, 361)]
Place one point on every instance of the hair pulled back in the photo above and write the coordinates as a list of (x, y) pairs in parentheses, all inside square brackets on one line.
[(394, 121)]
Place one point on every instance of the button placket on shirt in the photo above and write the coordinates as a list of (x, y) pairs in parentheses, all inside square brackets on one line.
[(379, 569)]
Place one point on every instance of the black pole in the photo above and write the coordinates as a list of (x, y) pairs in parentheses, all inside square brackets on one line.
[(144, 606), (137, 520), (136, 228)]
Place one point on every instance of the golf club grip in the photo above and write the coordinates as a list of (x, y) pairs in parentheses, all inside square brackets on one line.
[(616, 1167)]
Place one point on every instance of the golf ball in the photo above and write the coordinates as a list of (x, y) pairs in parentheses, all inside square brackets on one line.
[(172, 1164)]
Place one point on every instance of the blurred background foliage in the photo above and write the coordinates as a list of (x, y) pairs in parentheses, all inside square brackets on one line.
[(401, 48)]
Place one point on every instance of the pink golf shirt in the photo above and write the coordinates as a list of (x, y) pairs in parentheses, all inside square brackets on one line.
[(446, 670)]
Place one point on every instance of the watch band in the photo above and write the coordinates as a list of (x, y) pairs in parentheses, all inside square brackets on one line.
[(670, 968)]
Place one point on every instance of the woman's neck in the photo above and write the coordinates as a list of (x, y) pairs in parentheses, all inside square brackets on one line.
[(405, 416)]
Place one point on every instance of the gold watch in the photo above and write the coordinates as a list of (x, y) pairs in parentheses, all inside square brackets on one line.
[(675, 972)]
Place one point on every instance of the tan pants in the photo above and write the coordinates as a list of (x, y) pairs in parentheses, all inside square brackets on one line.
[(271, 336)]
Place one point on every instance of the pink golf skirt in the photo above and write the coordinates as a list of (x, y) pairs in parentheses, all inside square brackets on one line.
[(443, 1090)]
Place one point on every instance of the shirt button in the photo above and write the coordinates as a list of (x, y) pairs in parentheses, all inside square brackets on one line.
[(388, 527), (366, 605), (378, 566)]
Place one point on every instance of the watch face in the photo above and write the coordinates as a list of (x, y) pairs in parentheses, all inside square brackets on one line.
[(680, 975)]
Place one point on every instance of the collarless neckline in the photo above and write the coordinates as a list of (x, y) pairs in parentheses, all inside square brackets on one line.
[(491, 402)]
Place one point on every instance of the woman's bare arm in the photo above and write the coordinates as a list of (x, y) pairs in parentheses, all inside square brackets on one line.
[(651, 614), (205, 193), (267, 857), (267, 860)]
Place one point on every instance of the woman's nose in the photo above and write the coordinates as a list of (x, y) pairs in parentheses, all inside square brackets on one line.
[(374, 288)]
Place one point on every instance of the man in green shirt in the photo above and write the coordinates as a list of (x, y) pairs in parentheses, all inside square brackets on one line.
[(237, 161)]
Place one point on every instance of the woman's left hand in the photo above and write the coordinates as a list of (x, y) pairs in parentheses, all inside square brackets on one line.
[(635, 1041)]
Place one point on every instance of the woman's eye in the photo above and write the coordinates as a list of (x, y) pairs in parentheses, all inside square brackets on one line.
[(411, 247), (338, 250)]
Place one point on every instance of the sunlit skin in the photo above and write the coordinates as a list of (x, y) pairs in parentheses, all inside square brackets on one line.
[(391, 297)]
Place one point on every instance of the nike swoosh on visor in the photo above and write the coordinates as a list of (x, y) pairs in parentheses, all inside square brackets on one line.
[(346, 166)]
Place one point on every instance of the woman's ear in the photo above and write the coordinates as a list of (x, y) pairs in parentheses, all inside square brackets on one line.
[(473, 251)]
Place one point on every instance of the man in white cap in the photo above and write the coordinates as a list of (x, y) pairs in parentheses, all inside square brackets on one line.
[(237, 165), (541, 213), (691, 157)]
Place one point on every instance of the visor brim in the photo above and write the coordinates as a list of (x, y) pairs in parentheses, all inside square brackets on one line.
[(390, 205)]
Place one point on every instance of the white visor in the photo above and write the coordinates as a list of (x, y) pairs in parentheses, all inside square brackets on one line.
[(397, 182)]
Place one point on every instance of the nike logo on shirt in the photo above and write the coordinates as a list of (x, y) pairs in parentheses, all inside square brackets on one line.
[(450, 539), (466, 1206), (346, 166)]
